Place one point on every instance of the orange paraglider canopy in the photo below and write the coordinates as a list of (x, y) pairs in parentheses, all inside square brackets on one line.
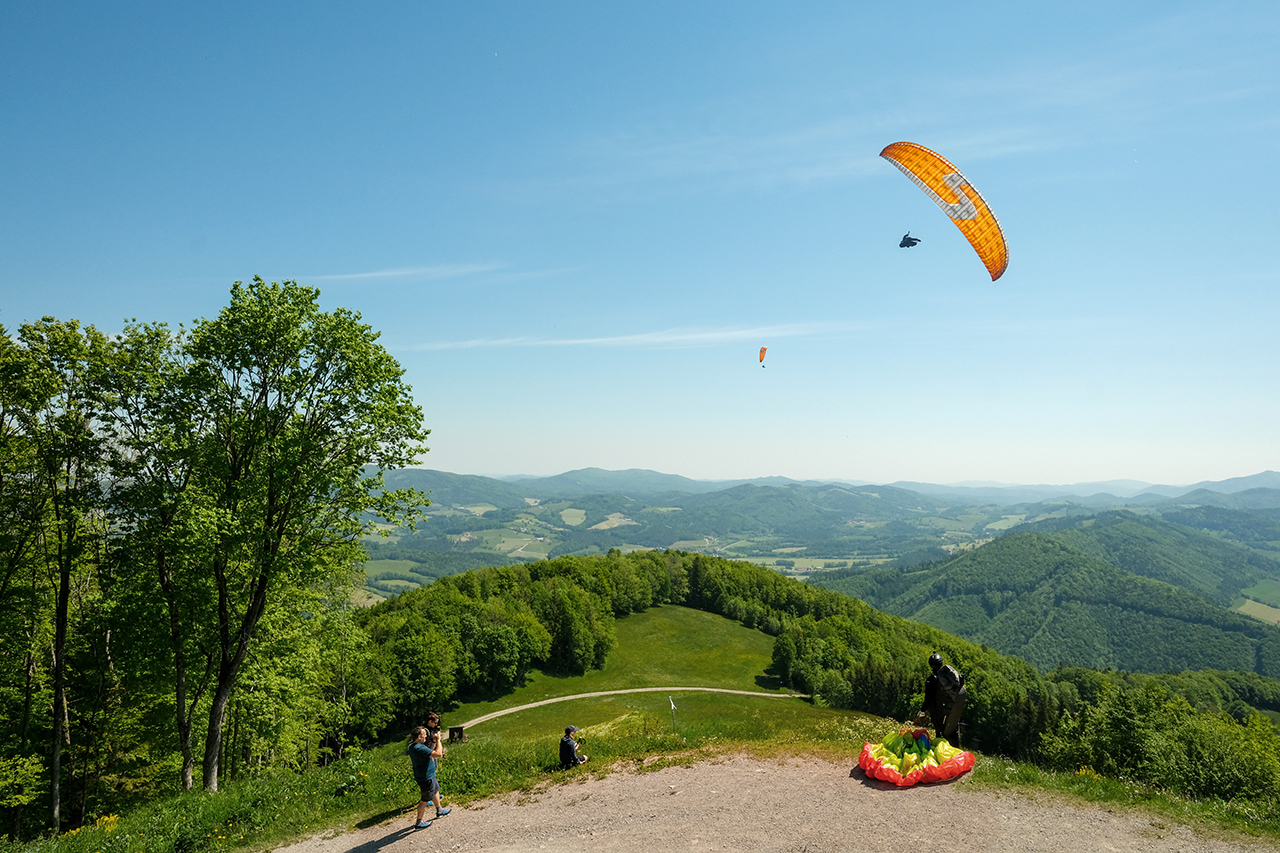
[(958, 198), (762, 349)]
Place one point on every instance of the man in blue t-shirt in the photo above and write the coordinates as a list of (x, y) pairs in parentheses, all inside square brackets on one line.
[(424, 749)]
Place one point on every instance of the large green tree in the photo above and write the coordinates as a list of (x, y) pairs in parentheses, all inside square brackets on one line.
[(156, 424), (246, 443), (301, 402), (52, 489)]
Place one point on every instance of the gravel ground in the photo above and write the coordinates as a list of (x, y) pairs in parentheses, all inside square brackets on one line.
[(748, 804)]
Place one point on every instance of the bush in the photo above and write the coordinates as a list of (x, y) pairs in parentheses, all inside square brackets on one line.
[(1148, 736)]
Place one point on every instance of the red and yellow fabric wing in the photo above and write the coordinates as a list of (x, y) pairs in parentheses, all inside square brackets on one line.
[(909, 757)]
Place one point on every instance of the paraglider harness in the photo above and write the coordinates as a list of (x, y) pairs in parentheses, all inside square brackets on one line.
[(950, 682)]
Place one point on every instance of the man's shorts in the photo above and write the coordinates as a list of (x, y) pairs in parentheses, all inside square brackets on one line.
[(429, 788)]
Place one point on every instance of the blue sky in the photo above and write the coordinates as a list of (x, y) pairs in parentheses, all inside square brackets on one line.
[(575, 224)]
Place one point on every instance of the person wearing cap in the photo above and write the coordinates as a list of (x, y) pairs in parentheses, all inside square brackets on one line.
[(569, 756), (424, 749), (433, 735), (944, 700)]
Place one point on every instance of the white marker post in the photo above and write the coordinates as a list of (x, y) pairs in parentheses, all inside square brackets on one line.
[(673, 714)]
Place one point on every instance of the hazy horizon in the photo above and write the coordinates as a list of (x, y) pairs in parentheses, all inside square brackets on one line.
[(1136, 485)]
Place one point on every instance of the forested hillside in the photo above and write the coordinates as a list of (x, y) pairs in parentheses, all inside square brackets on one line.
[(1160, 549), (458, 489), (1256, 528), (1039, 597)]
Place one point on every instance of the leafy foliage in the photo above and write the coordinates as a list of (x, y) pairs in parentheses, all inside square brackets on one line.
[(184, 512)]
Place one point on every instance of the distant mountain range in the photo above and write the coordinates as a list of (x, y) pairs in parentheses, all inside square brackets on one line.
[(800, 527), (463, 489), (586, 481), (1104, 492)]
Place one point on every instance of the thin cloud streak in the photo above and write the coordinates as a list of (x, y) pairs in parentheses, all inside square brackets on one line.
[(431, 273), (666, 339)]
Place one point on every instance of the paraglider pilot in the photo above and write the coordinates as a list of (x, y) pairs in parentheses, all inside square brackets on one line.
[(944, 698), (908, 241)]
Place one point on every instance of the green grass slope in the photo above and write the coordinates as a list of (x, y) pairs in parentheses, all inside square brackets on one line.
[(1034, 596), (666, 646), (663, 647)]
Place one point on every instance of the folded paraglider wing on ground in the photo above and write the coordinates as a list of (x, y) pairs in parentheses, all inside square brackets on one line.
[(908, 757)]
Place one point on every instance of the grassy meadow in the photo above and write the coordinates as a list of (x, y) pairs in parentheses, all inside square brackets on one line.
[(1258, 610), (1266, 591), (669, 647)]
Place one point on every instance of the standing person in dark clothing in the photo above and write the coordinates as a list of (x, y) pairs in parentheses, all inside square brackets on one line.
[(569, 756), (944, 698), (423, 750)]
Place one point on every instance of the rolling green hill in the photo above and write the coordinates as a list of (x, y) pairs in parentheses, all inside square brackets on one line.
[(812, 524), (1161, 550), (634, 481), (1035, 596), (808, 528), (1258, 529)]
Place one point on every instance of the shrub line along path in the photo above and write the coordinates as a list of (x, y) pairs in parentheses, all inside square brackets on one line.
[(488, 717)]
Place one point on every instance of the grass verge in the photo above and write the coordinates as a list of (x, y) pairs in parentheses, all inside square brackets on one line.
[(1250, 818)]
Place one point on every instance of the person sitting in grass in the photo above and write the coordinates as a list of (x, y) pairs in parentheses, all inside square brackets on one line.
[(569, 756)]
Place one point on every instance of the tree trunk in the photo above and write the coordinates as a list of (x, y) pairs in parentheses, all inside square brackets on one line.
[(181, 713), (235, 646), (217, 721), (59, 692)]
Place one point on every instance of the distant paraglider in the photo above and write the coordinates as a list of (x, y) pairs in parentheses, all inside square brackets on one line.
[(908, 241), (762, 349), (958, 198)]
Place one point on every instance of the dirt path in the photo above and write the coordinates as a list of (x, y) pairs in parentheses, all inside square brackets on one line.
[(746, 804), (486, 717)]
